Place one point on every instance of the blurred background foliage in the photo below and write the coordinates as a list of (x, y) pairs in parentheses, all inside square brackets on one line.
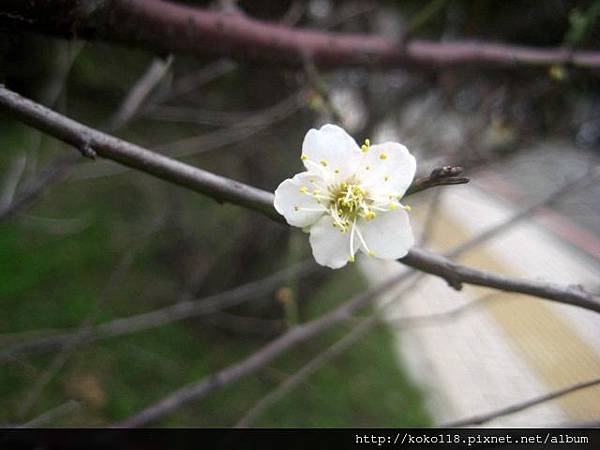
[(107, 243)]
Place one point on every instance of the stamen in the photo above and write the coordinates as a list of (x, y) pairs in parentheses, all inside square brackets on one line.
[(362, 241), (309, 163), (383, 156), (352, 239), (365, 147)]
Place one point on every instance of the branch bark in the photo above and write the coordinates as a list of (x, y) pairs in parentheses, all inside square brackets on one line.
[(171, 27), (92, 142), (484, 418)]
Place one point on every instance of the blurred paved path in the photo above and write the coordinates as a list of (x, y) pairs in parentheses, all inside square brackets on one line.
[(513, 347)]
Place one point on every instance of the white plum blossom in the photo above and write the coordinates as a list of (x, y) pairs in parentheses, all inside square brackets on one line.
[(348, 198)]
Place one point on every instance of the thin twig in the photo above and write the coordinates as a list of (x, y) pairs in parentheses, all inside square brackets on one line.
[(53, 414), (194, 80), (587, 178), (484, 418), (181, 310), (76, 338), (316, 82), (13, 178), (55, 172), (302, 333), (306, 371), (139, 92), (447, 175)]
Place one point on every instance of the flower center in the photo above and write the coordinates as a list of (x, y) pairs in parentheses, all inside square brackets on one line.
[(349, 201)]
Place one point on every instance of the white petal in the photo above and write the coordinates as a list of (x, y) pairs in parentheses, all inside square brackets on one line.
[(389, 235), (299, 209), (332, 149), (389, 168), (330, 246)]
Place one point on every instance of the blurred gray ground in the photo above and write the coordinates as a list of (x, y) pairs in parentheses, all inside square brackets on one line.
[(510, 348), (535, 172)]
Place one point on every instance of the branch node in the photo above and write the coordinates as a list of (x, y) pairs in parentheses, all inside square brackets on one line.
[(445, 175), (86, 149), (453, 281), (446, 171)]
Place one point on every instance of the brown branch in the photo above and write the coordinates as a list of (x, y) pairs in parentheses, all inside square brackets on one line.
[(446, 175), (171, 27), (55, 172), (456, 275), (109, 147), (483, 418), (299, 376), (53, 414), (181, 310), (139, 92), (72, 345), (302, 333), (227, 190)]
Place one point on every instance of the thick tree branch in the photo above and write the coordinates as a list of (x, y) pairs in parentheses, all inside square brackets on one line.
[(456, 275), (171, 27), (92, 142), (227, 190)]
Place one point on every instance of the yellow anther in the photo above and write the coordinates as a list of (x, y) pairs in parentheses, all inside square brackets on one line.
[(370, 215), (351, 259), (303, 157), (383, 156), (304, 189), (407, 208), (393, 206), (366, 145), (371, 253), (323, 163), (336, 171)]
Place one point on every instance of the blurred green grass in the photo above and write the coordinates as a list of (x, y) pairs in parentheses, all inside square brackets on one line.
[(52, 282)]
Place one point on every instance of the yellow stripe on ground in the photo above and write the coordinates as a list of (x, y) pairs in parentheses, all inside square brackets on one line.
[(556, 353)]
